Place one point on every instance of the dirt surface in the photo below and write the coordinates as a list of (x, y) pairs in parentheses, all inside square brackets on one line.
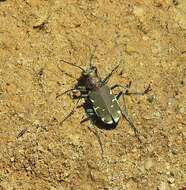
[(148, 38)]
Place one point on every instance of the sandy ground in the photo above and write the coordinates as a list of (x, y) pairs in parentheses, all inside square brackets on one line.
[(148, 38)]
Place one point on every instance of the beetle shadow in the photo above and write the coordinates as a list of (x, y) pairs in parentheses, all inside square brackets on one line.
[(95, 120)]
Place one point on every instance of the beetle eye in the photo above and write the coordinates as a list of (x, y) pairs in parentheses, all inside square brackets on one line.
[(94, 68), (85, 73)]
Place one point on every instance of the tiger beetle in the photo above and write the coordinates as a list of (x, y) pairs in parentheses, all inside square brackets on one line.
[(103, 104)]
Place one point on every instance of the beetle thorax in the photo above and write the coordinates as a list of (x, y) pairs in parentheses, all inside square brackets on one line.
[(92, 83)]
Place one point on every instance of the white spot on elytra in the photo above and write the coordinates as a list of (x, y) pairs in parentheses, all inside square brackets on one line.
[(109, 122), (119, 112), (92, 100)]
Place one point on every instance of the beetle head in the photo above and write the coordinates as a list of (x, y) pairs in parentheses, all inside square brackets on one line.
[(90, 72)]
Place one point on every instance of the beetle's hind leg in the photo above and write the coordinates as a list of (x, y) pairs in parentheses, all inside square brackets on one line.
[(90, 114), (98, 138), (127, 117), (85, 120)]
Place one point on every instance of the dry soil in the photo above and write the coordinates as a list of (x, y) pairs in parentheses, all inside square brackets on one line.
[(147, 38)]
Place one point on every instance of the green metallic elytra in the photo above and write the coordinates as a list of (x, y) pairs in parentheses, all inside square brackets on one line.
[(105, 105), (94, 90)]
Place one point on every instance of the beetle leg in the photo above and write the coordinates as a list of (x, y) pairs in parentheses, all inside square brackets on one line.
[(147, 90), (121, 86), (84, 120), (75, 96), (93, 131), (57, 96), (90, 113), (83, 90), (127, 117), (106, 79), (119, 95), (98, 137), (136, 131), (71, 113)]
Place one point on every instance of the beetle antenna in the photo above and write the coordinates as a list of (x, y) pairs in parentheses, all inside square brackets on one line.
[(92, 56), (65, 72), (72, 64)]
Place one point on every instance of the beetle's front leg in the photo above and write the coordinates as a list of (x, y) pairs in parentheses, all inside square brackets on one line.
[(106, 79), (147, 90), (80, 92), (121, 86), (70, 90), (119, 95)]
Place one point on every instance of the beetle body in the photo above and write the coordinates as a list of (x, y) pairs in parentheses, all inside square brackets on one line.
[(105, 105), (102, 104)]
